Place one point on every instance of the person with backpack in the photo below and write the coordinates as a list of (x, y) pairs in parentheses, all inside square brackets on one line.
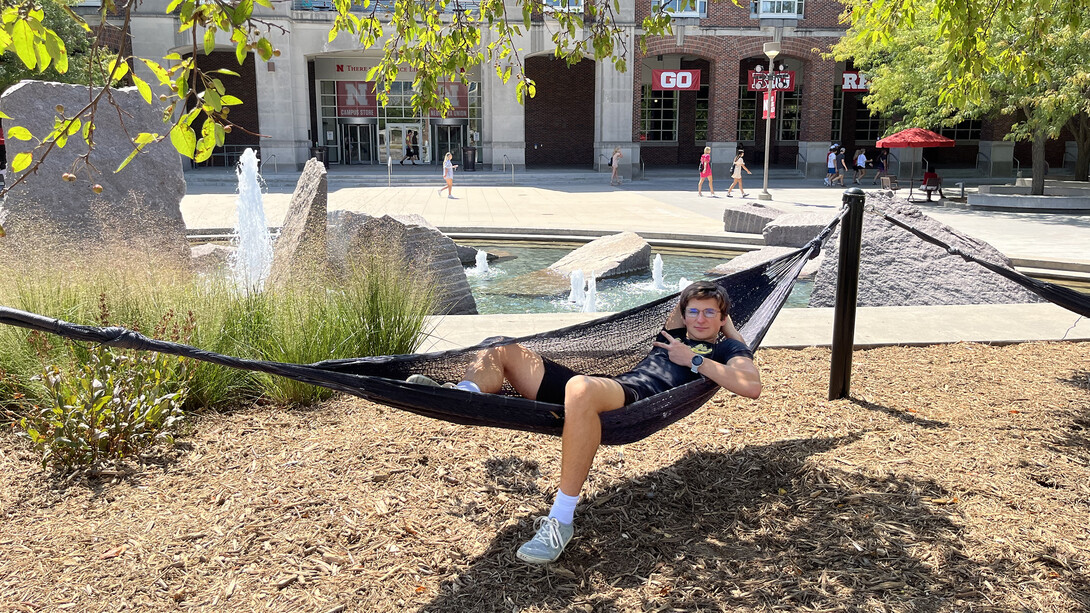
[(613, 161), (736, 173)]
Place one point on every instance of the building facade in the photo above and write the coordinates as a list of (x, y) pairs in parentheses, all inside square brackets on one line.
[(694, 89)]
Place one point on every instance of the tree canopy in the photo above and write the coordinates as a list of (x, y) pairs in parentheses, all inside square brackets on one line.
[(1043, 84)]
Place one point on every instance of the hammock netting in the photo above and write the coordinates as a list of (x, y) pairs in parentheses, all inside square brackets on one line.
[(606, 346)]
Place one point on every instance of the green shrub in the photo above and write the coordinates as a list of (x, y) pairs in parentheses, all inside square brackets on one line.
[(110, 408)]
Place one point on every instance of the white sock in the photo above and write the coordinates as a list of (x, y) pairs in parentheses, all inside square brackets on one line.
[(564, 507), (468, 386)]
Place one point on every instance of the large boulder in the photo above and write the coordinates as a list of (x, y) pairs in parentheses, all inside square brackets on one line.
[(748, 217), (609, 256), (423, 251), (300, 251), (796, 229), (751, 259), (138, 209), (898, 268), (614, 255)]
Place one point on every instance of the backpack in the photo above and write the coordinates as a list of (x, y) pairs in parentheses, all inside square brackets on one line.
[(700, 166), (610, 161), (731, 173)]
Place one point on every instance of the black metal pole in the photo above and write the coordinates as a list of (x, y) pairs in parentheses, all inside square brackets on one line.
[(847, 291)]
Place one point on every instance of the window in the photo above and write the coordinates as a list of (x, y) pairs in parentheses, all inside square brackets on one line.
[(329, 99), (838, 114), (700, 125), (789, 113), (868, 127), (683, 8), (658, 115), (966, 130), (571, 6), (776, 9), (747, 113)]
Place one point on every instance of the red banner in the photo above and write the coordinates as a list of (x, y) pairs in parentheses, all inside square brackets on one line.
[(855, 82), (356, 99), (769, 105), (458, 94), (783, 81), (675, 80)]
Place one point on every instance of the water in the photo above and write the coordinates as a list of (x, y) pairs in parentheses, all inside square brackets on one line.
[(577, 295), (482, 261), (611, 294), (253, 259), (656, 272)]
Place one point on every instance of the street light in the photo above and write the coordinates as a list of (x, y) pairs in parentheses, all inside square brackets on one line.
[(772, 49)]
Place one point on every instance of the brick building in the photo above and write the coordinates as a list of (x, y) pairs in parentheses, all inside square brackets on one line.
[(693, 89)]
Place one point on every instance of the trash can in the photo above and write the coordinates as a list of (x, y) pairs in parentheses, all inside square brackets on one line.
[(319, 153), (469, 158)]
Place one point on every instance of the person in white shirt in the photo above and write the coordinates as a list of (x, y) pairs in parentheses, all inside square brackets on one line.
[(860, 165)]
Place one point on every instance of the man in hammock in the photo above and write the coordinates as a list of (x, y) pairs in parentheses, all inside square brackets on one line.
[(698, 340)]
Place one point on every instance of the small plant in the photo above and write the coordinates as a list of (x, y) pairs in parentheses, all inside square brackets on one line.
[(111, 407)]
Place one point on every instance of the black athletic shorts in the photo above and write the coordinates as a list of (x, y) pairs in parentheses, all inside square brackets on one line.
[(556, 378)]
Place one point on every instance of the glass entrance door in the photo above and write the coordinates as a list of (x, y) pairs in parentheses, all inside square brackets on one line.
[(397, 136), (357, 144), (452, 139)]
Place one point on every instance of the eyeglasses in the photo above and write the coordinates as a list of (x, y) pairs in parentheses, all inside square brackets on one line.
[(709, 313)]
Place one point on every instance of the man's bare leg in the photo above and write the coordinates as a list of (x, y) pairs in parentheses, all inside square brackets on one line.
[(515, 363), (585, 399)]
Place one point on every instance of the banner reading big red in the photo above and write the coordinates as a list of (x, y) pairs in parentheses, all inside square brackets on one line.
[(356, 99), (675, 80), (782, 80)]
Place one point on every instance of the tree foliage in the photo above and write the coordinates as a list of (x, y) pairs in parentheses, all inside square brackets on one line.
[(82, 62), (1043, 84)]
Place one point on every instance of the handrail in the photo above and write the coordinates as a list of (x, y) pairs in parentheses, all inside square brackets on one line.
[(799, 154), (1017, 167), (1074, 159), (987, 160), (261, 164), (600, 157), (505, 161), (643, 170)]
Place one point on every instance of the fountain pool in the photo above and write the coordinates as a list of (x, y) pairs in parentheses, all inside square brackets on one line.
[(611, 294)]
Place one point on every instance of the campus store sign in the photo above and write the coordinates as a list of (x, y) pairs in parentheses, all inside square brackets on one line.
[(675, 80), (356, 99)]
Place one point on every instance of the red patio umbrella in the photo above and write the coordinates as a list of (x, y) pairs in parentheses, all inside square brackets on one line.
[(914, 137)]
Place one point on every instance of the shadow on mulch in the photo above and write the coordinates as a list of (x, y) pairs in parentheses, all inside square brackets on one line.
[(756, 528), (907, 418)]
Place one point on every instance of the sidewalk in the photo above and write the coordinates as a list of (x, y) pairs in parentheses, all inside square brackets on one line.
[(666, 204)]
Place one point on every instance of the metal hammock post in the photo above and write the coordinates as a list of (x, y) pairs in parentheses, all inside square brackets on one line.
[(847, 291)]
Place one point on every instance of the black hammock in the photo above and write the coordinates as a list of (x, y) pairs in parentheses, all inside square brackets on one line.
[(607, 346)]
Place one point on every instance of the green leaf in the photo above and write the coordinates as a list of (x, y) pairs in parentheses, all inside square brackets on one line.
[(241, 52), (230, 100), (242, 12), (4, 115), (209, 41), (264, 3), (226, 72), (184, 139), (143, 88), (21, 161), (55, 48), (19, 133), (22, 38), (264, 49)]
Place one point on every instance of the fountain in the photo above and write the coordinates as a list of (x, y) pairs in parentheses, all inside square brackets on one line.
[(577, 296), (253, 258), (656, 272), (482, 262), (682, 283), (590, 305)]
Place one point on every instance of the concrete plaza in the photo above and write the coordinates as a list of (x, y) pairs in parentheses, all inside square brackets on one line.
[(666, 205)]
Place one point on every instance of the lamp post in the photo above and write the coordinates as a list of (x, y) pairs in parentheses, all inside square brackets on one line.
[(772, 49)]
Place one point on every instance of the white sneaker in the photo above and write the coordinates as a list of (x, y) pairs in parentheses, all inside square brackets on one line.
[(549, 542)]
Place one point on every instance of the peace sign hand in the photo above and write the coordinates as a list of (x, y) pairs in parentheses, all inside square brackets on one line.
[(679, 352)]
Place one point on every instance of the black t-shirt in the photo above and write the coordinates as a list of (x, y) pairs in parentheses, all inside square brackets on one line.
[(656, 373)]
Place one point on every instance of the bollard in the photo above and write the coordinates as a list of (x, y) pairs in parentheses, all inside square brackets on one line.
[(847, 291)]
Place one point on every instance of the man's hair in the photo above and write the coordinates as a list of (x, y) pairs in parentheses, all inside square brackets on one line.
[(700, 290)]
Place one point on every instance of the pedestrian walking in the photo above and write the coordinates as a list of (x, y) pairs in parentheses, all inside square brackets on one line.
[(613, 161), (736, 173), (705, 169), (860, 166), (448, 175)]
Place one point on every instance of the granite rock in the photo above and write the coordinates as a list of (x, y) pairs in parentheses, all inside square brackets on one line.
[(898, 268), (300, 251), (138, 209), (748, 217), (795, 229)]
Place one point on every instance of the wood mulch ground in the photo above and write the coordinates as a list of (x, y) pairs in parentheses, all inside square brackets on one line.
[(956, 479)]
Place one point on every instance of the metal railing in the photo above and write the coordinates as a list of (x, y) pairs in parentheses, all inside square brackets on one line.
[(799, 156), (507, 160), (601, 156), (261, 164), (1017, 167), (985, 170)]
